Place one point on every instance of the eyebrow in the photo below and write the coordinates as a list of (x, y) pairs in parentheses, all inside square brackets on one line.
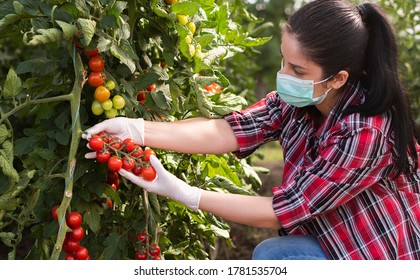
[(294, 65)]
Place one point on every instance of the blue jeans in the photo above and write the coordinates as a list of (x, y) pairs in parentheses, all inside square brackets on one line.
[(290, 247)]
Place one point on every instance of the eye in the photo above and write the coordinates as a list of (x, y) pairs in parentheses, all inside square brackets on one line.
[(297, 72)]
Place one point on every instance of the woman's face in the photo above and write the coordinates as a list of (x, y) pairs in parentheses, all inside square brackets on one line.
[(296, 64)]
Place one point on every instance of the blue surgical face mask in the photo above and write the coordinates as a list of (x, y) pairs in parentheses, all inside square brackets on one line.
[(298, 92)]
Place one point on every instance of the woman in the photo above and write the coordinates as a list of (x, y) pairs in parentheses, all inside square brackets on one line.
[(351, 186)]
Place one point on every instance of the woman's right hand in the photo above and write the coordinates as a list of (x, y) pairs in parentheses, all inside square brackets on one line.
[(120, 127)]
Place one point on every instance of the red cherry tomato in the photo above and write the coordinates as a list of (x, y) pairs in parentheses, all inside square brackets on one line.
[(128, 145), (92, 52), (77, 234), (141, 95), (54, 212), (137, 169), (103, 156), (148, 173), (82, 253), (96, 64), (113, 178), (104, 136), (116, 143), (72, 245), (70, 257), (74, 220), (141, 255), (128, 163), (114, 164), (152, 87), (148, 153), (96, 143), (109, 203), (95, 79), (154, 250), (137, 151), (142, 237)]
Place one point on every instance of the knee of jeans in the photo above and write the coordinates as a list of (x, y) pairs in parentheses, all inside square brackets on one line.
[(262, 251)]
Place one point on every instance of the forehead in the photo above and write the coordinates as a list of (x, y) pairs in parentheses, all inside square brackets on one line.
[(293, 53)]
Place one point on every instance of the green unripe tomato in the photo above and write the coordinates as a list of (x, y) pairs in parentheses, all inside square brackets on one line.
[(182, 19), (118, 102), (198, 54), (110, 84), (191, 50), (191, 27), (107, 104), (97, 108), (111, 113), (188, 39)]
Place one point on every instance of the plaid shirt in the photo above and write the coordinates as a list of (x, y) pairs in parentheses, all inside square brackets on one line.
[(338, 179)]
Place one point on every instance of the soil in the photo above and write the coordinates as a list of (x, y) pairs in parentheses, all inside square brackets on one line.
[(245, 238)]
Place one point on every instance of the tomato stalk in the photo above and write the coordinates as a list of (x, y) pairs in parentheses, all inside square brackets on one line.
[(74, 98), (5, 116)]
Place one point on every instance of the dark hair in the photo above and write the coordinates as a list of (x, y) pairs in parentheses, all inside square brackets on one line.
[(337, 35)]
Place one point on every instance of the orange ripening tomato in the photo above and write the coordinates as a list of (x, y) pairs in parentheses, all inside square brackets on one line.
[(102, 93)]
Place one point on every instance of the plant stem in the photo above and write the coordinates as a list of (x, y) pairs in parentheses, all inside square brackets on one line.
[(74, 98), (33, 102)]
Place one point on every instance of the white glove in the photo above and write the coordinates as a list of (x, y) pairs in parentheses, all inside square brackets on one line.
[(167, 184), (118, 127)]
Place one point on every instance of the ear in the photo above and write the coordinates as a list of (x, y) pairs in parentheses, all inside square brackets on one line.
[(339, 79)]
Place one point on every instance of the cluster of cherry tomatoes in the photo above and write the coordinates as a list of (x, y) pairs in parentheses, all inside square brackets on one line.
[(71, 244), (102, 102), (142, 253), (124, 154)]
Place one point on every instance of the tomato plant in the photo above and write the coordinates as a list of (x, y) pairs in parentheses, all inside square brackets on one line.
[(56, 86)]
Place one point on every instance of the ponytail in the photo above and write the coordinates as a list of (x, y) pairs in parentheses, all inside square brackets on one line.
[(385, 90)]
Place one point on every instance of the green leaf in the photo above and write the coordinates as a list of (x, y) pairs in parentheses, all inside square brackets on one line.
[(7, 168), (4, 133), (254, 42), (219, 231), (8, 150), (9, 20), (92, 215), (7, 203), (24, 145), (88, 29), (123, 56), (185, 8), (222, 19), (215, 54), (12, 85), (204, 40), (82, 6), (159, 99), (7, 238), (104, 44), (45, 36), (113, 243), (69, 30), (146, 80)]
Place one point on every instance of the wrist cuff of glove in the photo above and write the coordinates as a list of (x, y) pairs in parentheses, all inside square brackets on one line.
[(191, 198), (136, 129)]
